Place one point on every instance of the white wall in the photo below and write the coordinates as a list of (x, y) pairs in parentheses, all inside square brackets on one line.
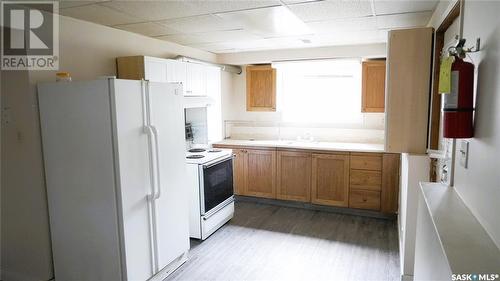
[(87, 51), (479, 184)]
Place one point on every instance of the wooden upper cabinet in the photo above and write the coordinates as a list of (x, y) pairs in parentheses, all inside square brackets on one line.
[(260, 173), (261, 88), (373, 86), (294, 176), (330, 179), (409, 56)]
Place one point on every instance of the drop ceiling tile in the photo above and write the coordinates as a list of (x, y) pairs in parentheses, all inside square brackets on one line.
[(220, 6), (74, 3), (148, 29), (99, 14), (348, 38), (154, 10), (396, 7), (403, 20), (329, 26), (299, 1), (335, 9), (211, 37), (268, 22), (199, 24)]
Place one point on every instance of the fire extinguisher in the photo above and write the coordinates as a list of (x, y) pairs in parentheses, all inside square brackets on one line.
[(458, 108)]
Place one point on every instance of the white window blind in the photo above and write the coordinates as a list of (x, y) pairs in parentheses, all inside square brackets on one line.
[(320, 92)]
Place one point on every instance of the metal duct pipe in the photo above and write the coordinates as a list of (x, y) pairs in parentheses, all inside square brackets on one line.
[(225, 67)]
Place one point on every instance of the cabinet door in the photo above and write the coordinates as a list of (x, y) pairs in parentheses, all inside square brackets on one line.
[(390, 183), (176, 72), (409, 55), (330, 179), (239, 171), (373, 86), (261, 173), (294, 176), (155, 70), (214, 111), (261, 88), (195, 80)]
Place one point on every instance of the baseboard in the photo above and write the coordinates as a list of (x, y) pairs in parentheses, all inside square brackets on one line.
[(171, 268), (314, 207)]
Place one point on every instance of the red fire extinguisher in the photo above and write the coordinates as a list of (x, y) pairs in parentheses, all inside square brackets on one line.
[(458, 105)]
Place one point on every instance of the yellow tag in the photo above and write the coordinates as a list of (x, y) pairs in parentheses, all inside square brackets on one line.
[(445, 75)]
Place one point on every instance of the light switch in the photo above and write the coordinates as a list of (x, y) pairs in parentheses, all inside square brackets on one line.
[(464, 153)]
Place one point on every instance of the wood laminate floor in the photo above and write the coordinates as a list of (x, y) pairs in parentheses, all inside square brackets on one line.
[(266, 242)]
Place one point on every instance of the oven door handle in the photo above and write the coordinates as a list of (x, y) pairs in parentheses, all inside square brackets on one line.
[(206, 166)]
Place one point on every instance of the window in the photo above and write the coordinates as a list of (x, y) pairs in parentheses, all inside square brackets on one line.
[(320, 92)]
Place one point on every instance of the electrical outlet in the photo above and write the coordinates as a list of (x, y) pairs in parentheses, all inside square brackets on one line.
[(464, 153)]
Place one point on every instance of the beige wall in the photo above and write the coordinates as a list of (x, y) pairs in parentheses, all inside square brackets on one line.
[(234, 107), (87, 51)]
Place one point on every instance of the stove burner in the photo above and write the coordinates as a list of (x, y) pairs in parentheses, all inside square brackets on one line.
[(195, 156), (215, 150), (197, 150)]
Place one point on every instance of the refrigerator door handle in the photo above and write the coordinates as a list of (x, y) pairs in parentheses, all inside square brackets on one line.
[(157, 150), (152, 161)]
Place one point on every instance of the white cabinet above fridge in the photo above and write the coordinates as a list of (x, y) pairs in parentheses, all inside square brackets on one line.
[(197, 79)]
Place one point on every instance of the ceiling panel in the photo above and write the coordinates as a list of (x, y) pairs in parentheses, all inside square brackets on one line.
[(403, 20), (200, 24), (219, 6), (148, 29), (223, 26), (211, 37), (74, 3), (99, 14), (268, 22), (338, 9), (324, 27), (394, 7), (154, 10)]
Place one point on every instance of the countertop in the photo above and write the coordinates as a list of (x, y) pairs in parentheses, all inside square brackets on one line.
[(467, 246), (328, 146)]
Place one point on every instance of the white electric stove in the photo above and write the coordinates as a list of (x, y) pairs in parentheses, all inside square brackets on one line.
[(210, 176)]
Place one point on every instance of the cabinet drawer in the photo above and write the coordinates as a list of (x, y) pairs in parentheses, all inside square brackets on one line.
[(366, 162), (364, 199), (370, 180)]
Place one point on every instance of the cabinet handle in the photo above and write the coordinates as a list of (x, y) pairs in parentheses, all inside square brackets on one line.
[(364, 199)]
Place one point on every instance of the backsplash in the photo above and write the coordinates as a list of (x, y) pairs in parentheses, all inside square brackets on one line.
[(371, 130)]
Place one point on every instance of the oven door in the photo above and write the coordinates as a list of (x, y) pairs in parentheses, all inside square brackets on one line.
[(217, 184)]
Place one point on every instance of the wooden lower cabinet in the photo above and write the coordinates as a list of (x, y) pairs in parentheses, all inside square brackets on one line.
[(330, 179), (260, 173), (239, 171), (390, 182), (344, 179), (294, 176), (364, 199)]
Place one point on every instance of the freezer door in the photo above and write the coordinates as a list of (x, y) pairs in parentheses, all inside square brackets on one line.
[(167, 118), (77, 142), (134, 177)]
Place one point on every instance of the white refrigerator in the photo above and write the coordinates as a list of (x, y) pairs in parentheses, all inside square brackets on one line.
[(115, 171)]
